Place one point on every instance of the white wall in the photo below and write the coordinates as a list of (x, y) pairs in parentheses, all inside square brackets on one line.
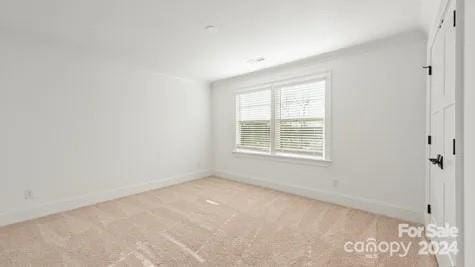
[(469, 132), (75, 127), (378, 102)]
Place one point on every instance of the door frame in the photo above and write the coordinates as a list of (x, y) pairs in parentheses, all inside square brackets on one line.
[(459, 118)]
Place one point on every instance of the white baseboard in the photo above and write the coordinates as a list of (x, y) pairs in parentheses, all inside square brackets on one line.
[(369, 205), (93, 198)]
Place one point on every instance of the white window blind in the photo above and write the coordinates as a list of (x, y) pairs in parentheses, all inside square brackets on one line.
[(300, 118), (254, 120), (285, 119)]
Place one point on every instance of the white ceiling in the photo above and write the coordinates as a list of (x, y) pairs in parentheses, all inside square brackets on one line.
[(168, 36)]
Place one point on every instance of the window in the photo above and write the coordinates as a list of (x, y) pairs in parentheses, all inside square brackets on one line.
[(254, 120), (285, 119)]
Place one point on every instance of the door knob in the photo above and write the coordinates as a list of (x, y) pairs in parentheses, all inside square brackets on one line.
[(439, 161)]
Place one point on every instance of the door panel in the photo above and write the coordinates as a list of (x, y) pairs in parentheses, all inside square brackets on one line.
[(438, 73)]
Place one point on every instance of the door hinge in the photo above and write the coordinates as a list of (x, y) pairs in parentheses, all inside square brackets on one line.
[(455, 18), (429, 69), (429, 140), (428, 209), (453, 146)]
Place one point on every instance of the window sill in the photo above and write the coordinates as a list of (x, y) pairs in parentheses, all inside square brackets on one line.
[(295, 159)]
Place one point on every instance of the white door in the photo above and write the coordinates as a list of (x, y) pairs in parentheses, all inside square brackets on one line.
[(442, 129)]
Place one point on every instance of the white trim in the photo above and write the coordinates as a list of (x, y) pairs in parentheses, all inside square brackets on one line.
[(369, 205), (466, 50), (295, 159), (460, 188), (328, 117), (97, 197), (271, 82)]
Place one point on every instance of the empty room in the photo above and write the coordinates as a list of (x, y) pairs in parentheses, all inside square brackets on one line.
[(237, 133)]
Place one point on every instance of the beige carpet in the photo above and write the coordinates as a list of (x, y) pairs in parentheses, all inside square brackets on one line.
[(208, 222)]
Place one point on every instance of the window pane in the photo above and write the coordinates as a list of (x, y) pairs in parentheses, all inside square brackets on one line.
[(253, 120), (300, 118)]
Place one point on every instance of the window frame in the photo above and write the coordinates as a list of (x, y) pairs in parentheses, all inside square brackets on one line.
[(287, 157)]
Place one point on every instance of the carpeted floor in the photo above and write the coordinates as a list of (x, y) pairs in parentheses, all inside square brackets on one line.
[(209, 222)]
